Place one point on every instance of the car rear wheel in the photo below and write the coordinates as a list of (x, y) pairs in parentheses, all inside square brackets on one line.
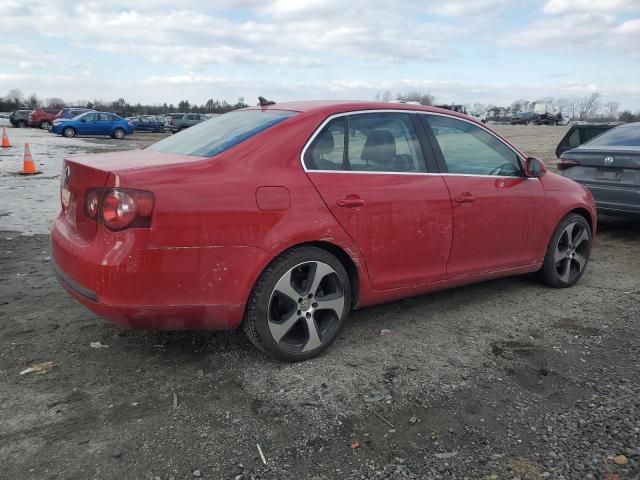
[(299, 304), (45, 125), (568, 252), (119, 133), (21, 124), (69, 132)]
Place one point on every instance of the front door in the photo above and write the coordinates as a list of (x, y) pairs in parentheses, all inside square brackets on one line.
[(89, 124), (376, 186), (496, 209)]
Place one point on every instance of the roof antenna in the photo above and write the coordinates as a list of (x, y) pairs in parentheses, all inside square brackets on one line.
[(264, 102)]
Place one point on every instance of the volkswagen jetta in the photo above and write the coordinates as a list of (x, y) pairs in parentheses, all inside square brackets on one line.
[(283, 218)]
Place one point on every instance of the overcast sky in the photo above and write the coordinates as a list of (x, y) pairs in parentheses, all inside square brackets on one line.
[(461, 51)]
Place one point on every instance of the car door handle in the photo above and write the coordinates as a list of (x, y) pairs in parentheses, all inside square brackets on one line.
[(466, 197), (350, 201)]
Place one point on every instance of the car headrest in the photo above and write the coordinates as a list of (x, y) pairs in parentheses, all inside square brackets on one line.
[(380, 147), (324, 144)]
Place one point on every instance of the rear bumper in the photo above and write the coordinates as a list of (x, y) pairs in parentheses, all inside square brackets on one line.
[(616, 200), (118, 277)]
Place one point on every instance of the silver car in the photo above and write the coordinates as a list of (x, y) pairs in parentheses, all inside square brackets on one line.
[(609, 165)]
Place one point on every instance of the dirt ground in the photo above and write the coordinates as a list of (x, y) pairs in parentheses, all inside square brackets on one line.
[(502, 380)]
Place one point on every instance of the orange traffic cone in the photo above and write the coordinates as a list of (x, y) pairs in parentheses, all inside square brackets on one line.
[(5, 139), (28, 166)]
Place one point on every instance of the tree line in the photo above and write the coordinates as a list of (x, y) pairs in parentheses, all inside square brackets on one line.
[(15, 100), (587, 108)]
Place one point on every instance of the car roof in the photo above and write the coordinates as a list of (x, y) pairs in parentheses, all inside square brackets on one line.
[(331, 107)]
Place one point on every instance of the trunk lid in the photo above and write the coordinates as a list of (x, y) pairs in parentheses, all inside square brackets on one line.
[(82, 173), (611, 167)]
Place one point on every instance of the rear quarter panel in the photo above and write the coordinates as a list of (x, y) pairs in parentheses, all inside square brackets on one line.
[(212, 203)]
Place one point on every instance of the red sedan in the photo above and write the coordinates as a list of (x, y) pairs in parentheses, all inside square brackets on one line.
[(283, 218)]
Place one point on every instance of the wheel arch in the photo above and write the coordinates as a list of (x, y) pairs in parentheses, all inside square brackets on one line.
[(583, 212), (347, 261)]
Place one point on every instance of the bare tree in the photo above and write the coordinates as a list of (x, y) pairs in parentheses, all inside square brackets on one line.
[(386, 96), (15, 96), (415, 96), (54, 102), (611, 110), (589, 106), (32, 102)]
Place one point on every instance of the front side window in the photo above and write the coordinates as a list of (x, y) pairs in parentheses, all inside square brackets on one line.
[(469, 149), (221, 133), (90, 117), (376, 142)]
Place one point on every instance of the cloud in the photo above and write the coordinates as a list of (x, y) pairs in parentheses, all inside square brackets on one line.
[(581, 6), (586, 34), (457, 8), (278, 32)]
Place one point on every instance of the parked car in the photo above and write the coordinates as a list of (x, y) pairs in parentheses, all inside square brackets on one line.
[(187, 120), (283, 218), (93, 123), (20, 118), (579, 134), (70, 112), (173, 117), (147, 124), (524, 118), (609, 165), (43, 118), (549, 119)]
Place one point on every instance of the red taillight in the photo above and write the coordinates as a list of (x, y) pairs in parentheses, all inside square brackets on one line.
[(120, 208), (564, 164)]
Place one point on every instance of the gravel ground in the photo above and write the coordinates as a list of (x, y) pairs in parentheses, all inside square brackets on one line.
[(502, 380)]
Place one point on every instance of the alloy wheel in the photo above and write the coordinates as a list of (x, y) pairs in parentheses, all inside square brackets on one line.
[(305, 306), (572, 252)]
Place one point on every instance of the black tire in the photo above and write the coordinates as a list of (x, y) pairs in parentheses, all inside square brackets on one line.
[(267, 304), (558, 258), (21, 124), (119, 134), (69, 132), (45, 125)]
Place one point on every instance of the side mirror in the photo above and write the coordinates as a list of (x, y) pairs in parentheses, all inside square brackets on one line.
[(83, 119), (535, 168)]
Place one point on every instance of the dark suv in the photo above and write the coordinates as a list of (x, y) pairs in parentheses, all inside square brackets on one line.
[(180, 121), (20, 118)]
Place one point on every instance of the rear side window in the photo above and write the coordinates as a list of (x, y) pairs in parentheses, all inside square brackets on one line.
[(221, 133), (622, 136), (376, 142)]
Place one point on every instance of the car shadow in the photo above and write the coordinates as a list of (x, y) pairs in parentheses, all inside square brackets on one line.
[(623, 228)]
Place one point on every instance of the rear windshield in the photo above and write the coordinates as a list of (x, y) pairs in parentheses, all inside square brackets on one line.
[(622, 136), (220, 133)]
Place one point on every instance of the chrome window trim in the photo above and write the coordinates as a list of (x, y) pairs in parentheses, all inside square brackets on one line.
[(384, 110)]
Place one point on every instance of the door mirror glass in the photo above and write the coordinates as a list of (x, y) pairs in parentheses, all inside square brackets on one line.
[(535, 168)]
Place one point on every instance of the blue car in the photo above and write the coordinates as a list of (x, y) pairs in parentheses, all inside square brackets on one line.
[(93, 123), (147, 124)]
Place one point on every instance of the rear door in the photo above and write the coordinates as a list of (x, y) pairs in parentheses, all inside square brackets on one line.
[(105, 124), (371, 172), (497, 211)]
